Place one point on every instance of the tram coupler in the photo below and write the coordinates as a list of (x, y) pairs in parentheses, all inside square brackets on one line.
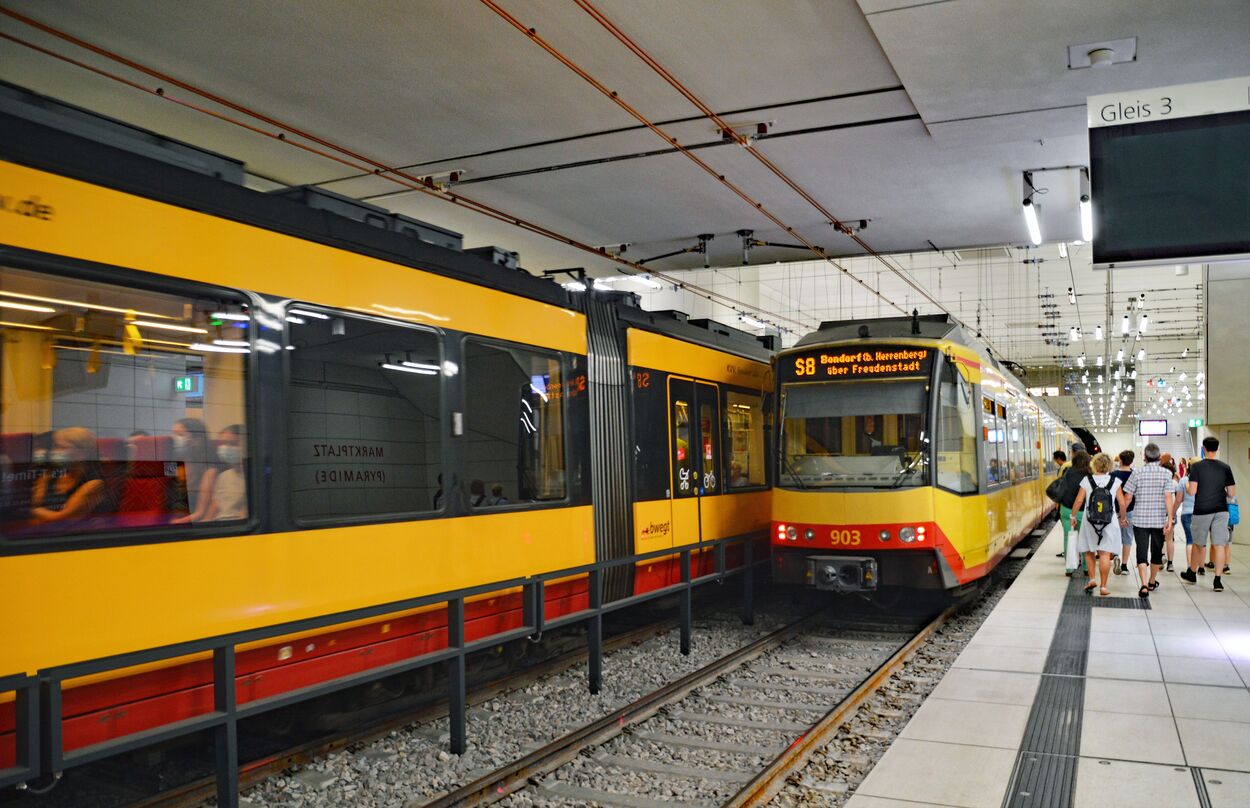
[(842, 573)]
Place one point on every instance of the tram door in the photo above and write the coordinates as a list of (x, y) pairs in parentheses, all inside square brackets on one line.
[(694, 449)]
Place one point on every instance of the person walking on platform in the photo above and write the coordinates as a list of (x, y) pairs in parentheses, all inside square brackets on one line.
[(1211, 484), (1151, 488), (1061, 465), (1120, 564), (1072, 478), (1169, 548), (1184, 504), (1098, 535)]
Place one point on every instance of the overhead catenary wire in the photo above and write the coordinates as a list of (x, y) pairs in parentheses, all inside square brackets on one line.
[(532, 34), (283, 132), (728, 131)]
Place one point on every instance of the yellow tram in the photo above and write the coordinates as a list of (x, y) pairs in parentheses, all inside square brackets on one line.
[(907, 456)]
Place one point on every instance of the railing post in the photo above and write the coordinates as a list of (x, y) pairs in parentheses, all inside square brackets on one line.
[(50, 750), (540, 606), (594, 632), (455, 676), (685, 602), (226, 734), (748, 582), (720, 562), (26, 711)]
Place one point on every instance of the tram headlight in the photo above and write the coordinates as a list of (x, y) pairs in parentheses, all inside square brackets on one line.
[(809, 534), (907, 535), (885, 535), (792, 533)]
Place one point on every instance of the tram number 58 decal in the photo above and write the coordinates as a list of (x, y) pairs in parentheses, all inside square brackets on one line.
[(848, 538), (805, 366)]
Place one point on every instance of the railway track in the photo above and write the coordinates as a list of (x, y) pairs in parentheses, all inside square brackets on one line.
[(724, 734)]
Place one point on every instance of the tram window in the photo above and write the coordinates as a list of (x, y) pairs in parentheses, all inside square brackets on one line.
[(744, 422), (683, 461), (956, 434), (514, 425), (650, 436), (122, 409), (364, 417), (995, 430), (863, 434), (709, 438)]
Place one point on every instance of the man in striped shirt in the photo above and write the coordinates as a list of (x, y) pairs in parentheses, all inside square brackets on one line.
[(1150, 489)]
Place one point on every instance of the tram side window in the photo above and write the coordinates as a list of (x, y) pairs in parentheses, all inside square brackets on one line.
[(956, 434), (514, 425), (121, 409), (995, 448), (364, 417), (744, 421)]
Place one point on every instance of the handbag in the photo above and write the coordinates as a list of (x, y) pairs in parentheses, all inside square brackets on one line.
[(1234, 514), (1054, 491)]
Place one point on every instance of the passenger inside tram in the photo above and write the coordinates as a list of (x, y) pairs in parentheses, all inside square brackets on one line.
[(71, 488)]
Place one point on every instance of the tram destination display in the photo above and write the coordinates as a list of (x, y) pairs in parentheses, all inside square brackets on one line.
[(851, 363)]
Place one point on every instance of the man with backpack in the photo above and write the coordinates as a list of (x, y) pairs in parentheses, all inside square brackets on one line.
[(1150, 488)]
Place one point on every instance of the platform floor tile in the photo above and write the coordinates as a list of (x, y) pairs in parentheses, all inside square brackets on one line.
[(1227, 789), (1002, 658), (1120, 736), (1120, 784), (1216, 744), (1121, 696), (1139, 667), (1210, 703), (974, 723), (995, 687), (941, 773), (1194, 671)]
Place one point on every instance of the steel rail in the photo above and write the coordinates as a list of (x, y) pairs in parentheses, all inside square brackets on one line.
[(514, 776), (345, 156), (768, 783), (614, 96), (727, 130)]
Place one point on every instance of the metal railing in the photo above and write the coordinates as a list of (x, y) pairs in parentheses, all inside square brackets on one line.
[(40, 747)]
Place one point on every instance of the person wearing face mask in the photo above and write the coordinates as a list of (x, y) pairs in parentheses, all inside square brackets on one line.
[(197, 471), (230, 488), (72, 488)]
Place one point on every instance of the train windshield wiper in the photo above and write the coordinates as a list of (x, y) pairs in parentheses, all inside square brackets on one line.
[(790, 470), (908, 470)]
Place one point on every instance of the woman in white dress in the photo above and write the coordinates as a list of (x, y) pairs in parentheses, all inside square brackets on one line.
[(1088, 541)]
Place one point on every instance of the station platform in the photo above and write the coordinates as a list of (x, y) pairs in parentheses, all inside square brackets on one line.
[(1063, 699)]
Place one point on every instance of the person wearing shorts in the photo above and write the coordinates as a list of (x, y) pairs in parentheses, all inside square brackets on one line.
[(1151, 488), (1121, 563), (1211, 484)]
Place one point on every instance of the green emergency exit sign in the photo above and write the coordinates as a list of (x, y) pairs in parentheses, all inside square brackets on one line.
[(1196, 422), (184, 384)]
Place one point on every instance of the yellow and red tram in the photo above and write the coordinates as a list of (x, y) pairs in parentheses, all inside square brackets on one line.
[(222, 409), (908, 457)]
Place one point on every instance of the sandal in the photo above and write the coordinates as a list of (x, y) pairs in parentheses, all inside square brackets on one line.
[(1154, 585), (1090, 586), (1144, 592), (1103, 592)]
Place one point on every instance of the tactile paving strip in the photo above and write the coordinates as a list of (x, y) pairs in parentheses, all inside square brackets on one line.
[(1045, 772), (1122, 603)]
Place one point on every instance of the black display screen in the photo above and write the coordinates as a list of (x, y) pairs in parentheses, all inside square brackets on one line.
[(1171, 190)]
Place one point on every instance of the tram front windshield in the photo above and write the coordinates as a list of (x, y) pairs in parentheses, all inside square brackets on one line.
[(855, 434)]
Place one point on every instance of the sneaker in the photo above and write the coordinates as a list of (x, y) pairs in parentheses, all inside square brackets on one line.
[(1169, 566), (1058, 555), (1202, 570), (1116, 565), (1189, 577), (1227, 569), (1209, 565), (1216, 585)]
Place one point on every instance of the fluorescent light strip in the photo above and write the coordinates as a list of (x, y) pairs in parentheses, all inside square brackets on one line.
[(1030, 219), (78, 305), (209, 348), (230, 315), (26, 325), (421, 366), (316, 315), (406, 369), (26, 307), (183, 329)]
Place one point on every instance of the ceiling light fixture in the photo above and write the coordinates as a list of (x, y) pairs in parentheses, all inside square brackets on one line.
[(1030, 210), (1124, 325), (1071, 296), (1142, 322), (1097, 332), (1063, 249), (1087, 208), (1141, 354)]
